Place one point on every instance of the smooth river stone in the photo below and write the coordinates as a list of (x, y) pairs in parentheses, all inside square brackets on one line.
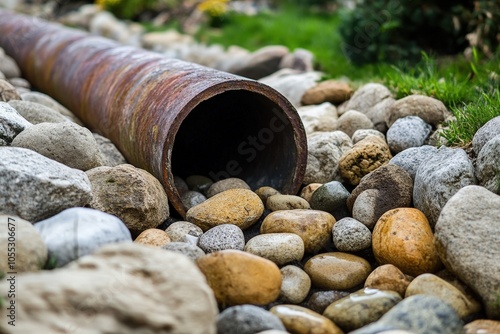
[(247, 319), (313, 226), (295, 285), (388, 277), (403, 237), (265, 192), (240, 207), (309, 190), (320, 300), (300, 320), (361, 308), (482, 326), (428, 284), (153, 237), (286, 202), (238, 277), (179, 230), (337, 271), (280, 248)]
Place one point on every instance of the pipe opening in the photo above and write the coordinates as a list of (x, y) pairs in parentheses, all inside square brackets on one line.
[(239, 134)]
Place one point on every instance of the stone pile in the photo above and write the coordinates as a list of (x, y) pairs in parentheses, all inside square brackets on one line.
[(389, 234)]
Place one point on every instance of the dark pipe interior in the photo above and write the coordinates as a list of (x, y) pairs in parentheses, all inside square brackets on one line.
[(237, 134)]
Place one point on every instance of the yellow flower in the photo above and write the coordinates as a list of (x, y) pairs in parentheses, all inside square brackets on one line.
[(213, 8), (106, 3)]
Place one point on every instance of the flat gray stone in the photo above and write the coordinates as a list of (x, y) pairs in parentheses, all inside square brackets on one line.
[(34, 187), (187, 249), (485, 133), (11, 123), (350, 235), (247, 319), (65, 142), (51, 103), (439, 178), (418, 314), (76, 232), (37, 113), (467, 242), (192, 198), (367, 96), (353, 120), (406, 132)]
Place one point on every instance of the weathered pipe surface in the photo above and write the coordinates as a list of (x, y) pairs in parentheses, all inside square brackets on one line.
[(166, 116)]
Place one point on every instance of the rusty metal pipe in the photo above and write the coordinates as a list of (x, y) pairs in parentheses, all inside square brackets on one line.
[(167, 116)]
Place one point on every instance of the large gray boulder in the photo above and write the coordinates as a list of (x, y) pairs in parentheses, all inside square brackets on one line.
[(467, 242)]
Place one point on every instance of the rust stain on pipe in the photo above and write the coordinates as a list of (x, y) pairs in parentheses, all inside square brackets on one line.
[(167, 116)]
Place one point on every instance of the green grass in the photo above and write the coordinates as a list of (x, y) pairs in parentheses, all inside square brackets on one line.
[(465, 87)]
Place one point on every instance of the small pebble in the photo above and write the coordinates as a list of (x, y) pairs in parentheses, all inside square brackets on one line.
[(320, 300), (483, 326), (361, 308), (225, 236), (177, 231), (361, 134), (407, 132), (331, 197), (153, 237), (337, 271), (313, 226), (192, 198), (295, 284), (247, 319), (365, 209), (192, 251), (350, 235), (265, 192), (180, 185), (388, 277), (223, 185), (309, 190), (300, 320), (199, 183), (280, 248), (286, 202)]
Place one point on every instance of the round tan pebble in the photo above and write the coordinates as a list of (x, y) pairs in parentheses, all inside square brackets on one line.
[(240, 207), (429, 284), (361, 308), (308, 190), (364, 157), (403, 237), (237, 277), (313, 226), (265, 192), (295, 284), (179, 230), (388, 277), (301, 320), (286, 202), (337, 270), (327, 91), (483, 326), (280, 248), (153, 237)]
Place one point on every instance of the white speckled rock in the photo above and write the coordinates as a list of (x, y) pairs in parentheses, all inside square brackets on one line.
[(76, 232), (11, 124), (225, 236), (280, 248), (350, 235), (406, 132), (485, 133), (488, 165)]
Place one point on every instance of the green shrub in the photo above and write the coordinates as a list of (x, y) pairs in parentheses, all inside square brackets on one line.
[(395, 31), (132, 9)]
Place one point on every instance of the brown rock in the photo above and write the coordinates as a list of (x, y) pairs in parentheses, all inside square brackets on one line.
[(337, 270), (286, 202), (226, 184), (364, 157), (429, 109), (131, 194), (281, 248), (482, 326), (300, 320), (240, 207), (388, 277), (8, 92), (327, 91), (265, 192), (238, 277), (313, 226), (153, 237), (403, 237), (429, 284), (308, 190), (352, 121)]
